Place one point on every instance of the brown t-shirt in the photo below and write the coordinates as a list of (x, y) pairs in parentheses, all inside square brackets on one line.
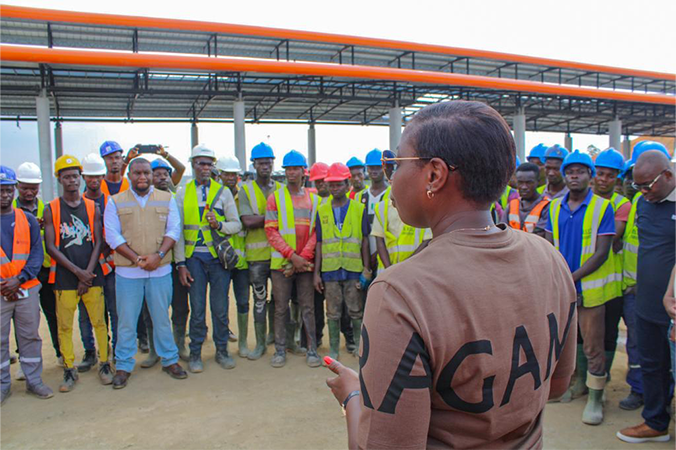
[(456, 344)]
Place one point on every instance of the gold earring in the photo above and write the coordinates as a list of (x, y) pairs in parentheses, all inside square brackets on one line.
[(430, 194)]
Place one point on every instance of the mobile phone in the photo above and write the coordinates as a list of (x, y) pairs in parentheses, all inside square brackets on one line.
[(148, 149), (22, 293)]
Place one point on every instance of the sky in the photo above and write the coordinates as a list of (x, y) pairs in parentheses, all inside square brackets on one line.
[(615, 33)]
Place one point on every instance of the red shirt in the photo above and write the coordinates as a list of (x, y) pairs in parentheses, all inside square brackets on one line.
[(305, 240)]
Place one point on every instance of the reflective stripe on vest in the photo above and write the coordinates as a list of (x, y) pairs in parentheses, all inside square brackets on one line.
[(399, 247), (287, 224), (604, 284), (616, 201), (256, 242), (341, 249), (531, 219), (21, 250), (55, 206), (630, 249), (193, 224)]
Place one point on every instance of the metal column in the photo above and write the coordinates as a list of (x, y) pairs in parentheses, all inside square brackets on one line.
[(568, 142), (58, 139), (395, 127), (240, 138), (311, 144), (626, 148), (194, 135), (615, 134), (519, 127), (45, 146)]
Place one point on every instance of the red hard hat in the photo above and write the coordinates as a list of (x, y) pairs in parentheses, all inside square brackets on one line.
[(318, 171), (338, 172)]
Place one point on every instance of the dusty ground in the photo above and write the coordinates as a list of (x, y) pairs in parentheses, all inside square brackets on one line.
[(251, 407)]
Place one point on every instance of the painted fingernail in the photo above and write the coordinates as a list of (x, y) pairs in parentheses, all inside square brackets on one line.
[(328, 360)]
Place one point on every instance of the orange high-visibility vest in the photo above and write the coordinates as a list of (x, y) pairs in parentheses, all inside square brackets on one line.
[(21, 250), (106, 191), (531, 219), (55, 206)]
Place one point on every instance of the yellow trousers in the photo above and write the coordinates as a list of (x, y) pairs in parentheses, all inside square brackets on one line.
[(66, 305)]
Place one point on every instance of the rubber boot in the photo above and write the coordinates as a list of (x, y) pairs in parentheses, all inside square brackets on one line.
[(593, 411), (179, 338), (579, 387), (259, 350), (334, 338), (291, 345), (153, 357), (243, 330), (610, 356), (356, 326), (270, 339)]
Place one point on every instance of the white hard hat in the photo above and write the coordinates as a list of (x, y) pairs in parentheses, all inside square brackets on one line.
[(202, 150), (29, 173), (93, 164), (228, 164)]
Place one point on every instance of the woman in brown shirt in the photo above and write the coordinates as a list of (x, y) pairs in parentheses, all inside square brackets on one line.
[(461, 345)]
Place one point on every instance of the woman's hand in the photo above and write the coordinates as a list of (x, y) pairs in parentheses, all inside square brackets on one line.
[(346, 381)]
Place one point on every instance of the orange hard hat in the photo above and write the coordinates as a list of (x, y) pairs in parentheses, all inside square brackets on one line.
[(318, 171), (338, 172)]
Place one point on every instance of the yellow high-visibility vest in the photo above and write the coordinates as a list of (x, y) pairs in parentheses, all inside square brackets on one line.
[(193, 224), (341, 249), (256, 242)]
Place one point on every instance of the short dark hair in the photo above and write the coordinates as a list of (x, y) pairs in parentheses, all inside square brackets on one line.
[(529, 167), (137, 161), (474, 138)]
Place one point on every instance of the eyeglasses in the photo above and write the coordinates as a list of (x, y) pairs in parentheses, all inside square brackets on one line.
[(648, 187), (394, 162)]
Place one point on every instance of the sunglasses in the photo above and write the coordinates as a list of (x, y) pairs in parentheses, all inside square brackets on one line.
[(394, 162), (649, 186)]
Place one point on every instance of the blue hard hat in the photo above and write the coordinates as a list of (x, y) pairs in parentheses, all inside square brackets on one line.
[(611, 159), (578, 158), (7, 176), (537, 152), (518, 162), (556, 152), (354, 162), (389, 154), (109, 147), (374, 158), (644, 146), (293, 159), (159, 163), (262, 150)]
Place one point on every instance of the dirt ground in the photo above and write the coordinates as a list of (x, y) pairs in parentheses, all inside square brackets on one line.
[(251, 407)]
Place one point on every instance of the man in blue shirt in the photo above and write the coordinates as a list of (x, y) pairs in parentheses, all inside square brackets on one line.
[(567, 234)]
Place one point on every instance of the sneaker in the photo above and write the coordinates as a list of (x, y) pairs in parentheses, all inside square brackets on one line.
[(40, 391), (70, 376), (643, 433), (225, 360), (88, 361), (195, 364), (632, 402), (106, 374), (4, 395), (232, 337), (278, 360), (312, 359), (20, 375)]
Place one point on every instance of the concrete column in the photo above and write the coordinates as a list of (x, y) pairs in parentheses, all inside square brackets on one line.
[(568, 142), (311, 144), (615, 133), (240, 139), (395, 127), (194, 135), (45, 146), (626, 148), (519, 127), (58, 139)]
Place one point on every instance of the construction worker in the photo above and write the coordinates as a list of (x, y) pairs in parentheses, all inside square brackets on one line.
[(318, 172), (207, 210), (22, 256), (113, 182), (252, 204), (372, 195), (389, 166), (142, 266), (357, 169), (556, 187), (289, 226), (28, 179), (655, 211), (162, 175), (537, 157), (73, 238), (342, 255), (229, 169), (530, 211), (573, 222)]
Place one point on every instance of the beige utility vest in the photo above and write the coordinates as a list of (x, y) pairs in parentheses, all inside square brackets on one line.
[(143, 228)]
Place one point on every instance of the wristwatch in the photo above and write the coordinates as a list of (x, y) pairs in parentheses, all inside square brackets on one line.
[(161, 253)]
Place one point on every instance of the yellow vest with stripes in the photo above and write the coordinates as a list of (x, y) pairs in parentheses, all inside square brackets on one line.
[(630, 250), (287, 223), (399, 247), (47, 261), (193, 224), (341, 249), (256, 242), (238, 242)]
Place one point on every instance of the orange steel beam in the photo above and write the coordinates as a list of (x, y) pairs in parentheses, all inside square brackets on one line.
[(52, 15), (177, 62)]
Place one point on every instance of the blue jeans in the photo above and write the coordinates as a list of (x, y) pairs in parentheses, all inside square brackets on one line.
[(157, 293), (240, 286), (634, 374), (86, 332), (205, 271)]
